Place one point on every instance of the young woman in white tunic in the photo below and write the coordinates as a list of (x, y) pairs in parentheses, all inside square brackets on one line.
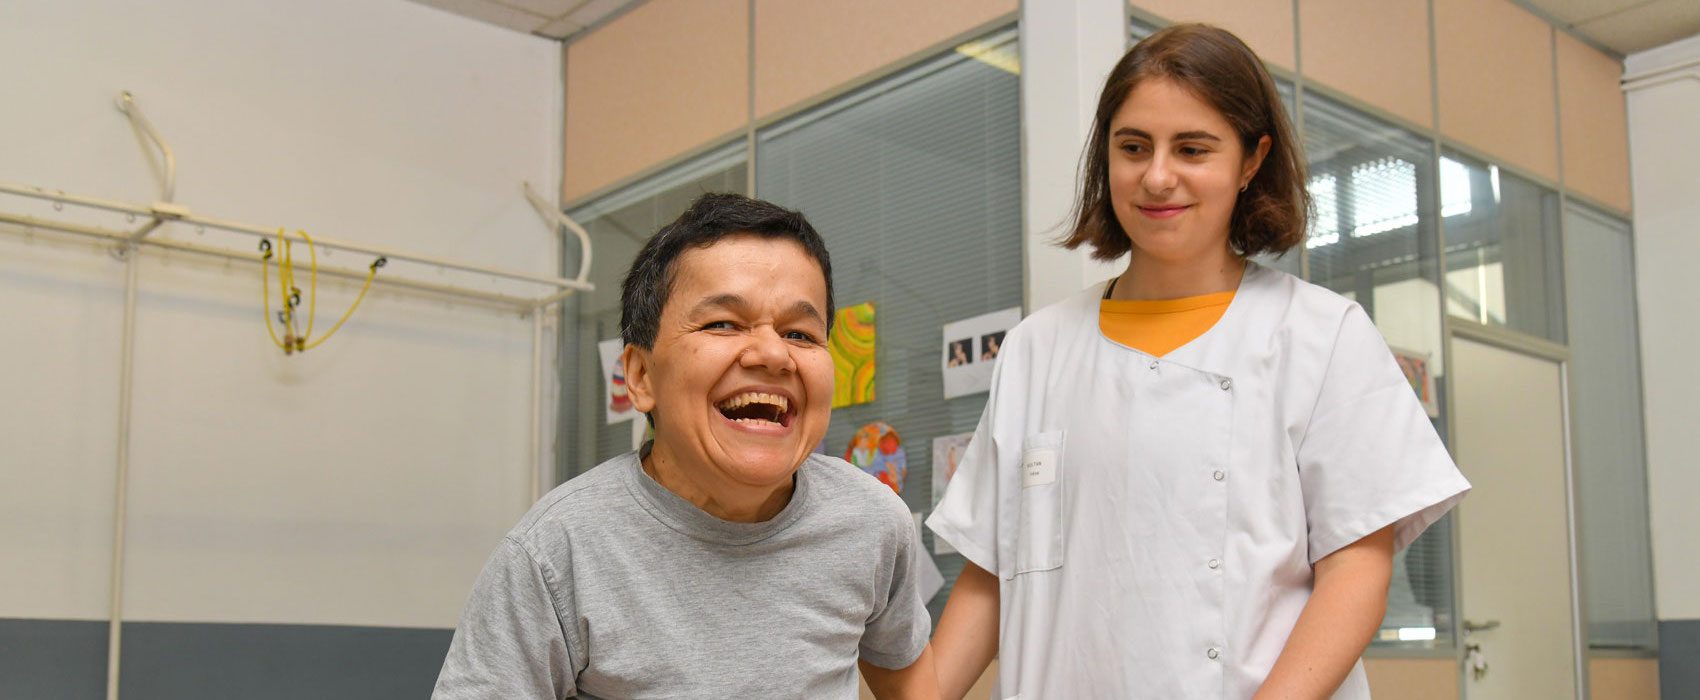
[(1212, 515)]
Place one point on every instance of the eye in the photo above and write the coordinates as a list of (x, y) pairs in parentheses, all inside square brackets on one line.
[(1133, 148), (1194, 151), (801, 336), (718, 326)]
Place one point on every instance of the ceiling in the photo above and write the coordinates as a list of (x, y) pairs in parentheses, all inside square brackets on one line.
[(1622, 26), (553, 19)]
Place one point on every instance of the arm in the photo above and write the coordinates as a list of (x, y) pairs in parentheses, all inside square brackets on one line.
[(967, 636), (917, 681), (1345, 610), (509, 643)]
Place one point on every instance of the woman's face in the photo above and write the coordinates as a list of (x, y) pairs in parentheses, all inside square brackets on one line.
[(1176, 169)]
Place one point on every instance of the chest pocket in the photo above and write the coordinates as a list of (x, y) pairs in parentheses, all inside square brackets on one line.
[(1039, 536)]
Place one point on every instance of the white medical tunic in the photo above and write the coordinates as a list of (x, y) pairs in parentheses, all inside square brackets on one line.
[(1153, 521)]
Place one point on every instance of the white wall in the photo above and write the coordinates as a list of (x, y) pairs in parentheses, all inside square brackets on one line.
[(361, 484), (1664, 106)]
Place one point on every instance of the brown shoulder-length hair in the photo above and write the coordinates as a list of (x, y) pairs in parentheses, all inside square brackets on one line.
[(1270, 216)]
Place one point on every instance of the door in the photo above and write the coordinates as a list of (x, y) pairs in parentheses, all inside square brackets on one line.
[(1515, 564)]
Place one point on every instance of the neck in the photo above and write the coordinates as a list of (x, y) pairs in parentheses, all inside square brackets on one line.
[(1148, 278), (727, 501)]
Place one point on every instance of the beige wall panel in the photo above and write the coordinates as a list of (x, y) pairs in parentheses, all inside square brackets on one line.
[(1495, 78), (1264, 25), (1412, 679), (1376, 52), (1623, 679), (1594, 123), (804, 49), (665, 78)]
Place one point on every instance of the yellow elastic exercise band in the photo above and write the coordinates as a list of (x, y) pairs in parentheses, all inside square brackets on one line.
[(297, 339)]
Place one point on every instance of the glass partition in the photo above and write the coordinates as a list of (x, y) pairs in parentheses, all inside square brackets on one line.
[(619, 224), (1373, 239), (915, 183), (1503, 266)]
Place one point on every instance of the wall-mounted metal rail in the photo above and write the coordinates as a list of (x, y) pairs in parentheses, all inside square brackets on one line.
[(168, 211)]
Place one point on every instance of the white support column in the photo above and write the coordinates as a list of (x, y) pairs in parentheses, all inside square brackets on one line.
[(1067, 49), (1663, 86)]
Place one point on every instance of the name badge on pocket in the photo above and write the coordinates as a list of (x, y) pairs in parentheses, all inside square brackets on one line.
[(1038, 467)]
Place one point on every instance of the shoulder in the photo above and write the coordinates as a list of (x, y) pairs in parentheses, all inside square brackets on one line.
[(1307, 318), (1051, 330), (1325, 317), (1301, 301), (585, 499), (850, 493), (1061, 316)]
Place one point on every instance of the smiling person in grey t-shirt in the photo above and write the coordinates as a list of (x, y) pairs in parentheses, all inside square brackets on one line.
[(723, 560)]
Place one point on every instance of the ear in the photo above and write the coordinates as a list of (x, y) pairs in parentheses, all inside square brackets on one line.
[(1254, 160), (639, 380)]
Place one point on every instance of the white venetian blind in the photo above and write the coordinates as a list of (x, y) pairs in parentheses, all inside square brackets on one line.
[(914, 182)]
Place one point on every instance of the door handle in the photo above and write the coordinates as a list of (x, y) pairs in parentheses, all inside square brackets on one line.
[(1473, 626)]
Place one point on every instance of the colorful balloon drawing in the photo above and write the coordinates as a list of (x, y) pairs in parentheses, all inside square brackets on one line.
[(852, 347), (877, 450)]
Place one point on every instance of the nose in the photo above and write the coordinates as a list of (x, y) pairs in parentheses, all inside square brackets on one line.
[(767, 350), (1158, 177)]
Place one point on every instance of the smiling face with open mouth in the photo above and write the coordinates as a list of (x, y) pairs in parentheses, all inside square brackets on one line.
[(739, 379)]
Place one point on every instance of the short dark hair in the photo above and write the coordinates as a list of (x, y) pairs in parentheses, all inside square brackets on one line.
[(1212, 63), (711, 217)]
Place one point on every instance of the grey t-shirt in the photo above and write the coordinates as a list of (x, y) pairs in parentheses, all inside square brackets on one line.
[(614, 587)]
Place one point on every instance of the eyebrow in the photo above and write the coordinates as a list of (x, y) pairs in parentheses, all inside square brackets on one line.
[(1183, 136), (738, 303), (805, 309)]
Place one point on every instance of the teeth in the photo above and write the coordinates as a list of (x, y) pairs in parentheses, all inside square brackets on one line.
[(746, 399)]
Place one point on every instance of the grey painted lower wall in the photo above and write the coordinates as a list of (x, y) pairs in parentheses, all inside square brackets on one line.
[(1679, 659), (67, 659), (52, 659)]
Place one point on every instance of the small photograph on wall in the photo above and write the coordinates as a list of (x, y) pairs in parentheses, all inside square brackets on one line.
[(959, 353), (989, 346), (969, 347), (618, 401)]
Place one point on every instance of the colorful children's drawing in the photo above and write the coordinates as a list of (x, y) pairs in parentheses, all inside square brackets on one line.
[(877, 450), (1416, 369), (852, 347), (947, 453), (619, 399)]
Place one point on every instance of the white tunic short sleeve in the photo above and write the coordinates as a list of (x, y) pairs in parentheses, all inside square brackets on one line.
[(969, 515), (1370, 457)]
